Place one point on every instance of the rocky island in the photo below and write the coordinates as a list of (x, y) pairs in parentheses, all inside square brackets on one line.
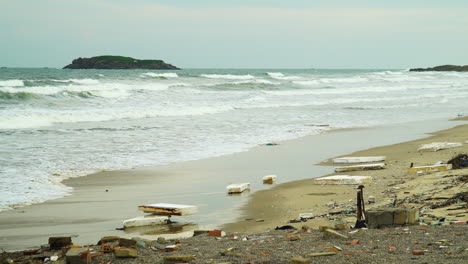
[(443, 68), (118, 62)]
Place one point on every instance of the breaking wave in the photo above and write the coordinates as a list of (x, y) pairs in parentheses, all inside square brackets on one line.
[(160, 75), (281, 76), (228, 76), (12, 83)]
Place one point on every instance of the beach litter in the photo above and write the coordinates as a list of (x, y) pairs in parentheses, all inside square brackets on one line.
[(374, 166), (428, 168), (436, 146), (238, 187), (459, 162), (343, 180), (145, 221), (168, 209), (269, 179), (359, 159)]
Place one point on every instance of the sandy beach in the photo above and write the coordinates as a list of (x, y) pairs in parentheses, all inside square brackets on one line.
[(286, 201), (101, 201)]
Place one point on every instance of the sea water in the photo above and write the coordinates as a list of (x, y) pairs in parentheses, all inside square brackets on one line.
[(56, 124)]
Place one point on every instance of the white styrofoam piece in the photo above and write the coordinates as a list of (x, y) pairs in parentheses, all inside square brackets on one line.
[(343, 179), (374, 166), (238, 187), (435, 146), (358, 159), (145, 221), (306, 215), (269, 178)]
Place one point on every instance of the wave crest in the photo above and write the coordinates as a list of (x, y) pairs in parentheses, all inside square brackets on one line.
[(228, 76), (12, 83), (160, 75)]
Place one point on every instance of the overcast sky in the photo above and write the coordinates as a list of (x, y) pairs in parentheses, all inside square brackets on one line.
[(237, 33)]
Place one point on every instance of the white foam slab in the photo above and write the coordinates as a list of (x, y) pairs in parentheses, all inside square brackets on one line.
[(358, 159), (238, 187)]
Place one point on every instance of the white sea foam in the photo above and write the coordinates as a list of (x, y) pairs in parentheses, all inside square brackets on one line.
[(12, 83), (228, 76), (281, 76), (85, 81), (163, 75)]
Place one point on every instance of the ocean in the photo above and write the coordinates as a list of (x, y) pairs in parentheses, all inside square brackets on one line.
[(56, 124)]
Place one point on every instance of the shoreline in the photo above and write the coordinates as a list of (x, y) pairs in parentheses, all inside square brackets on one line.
[(81, 214)]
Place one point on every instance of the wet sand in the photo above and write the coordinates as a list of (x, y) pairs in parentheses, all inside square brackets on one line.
[(91, 211)]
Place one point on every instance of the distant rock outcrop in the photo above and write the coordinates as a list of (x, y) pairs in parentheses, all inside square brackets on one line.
[(443, 68), (118, 62)]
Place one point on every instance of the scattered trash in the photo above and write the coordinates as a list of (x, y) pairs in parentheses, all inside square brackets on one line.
[(436, 146), (418, 252), (458, 162), (359, 159), (271, 144), (285, 227), (306, 216), (238, 187), (217, 233), (457, 198)]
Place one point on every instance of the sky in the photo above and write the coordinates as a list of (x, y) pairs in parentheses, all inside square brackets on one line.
[(360, 34)]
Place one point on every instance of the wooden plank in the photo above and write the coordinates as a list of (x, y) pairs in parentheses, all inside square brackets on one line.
[(429, 168), (375, 166), (168, 209)]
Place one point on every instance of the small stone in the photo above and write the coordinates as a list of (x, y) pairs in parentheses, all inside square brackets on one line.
[(200, 232), (418, 252), (125, 253), (294, 238), (141, 243), (341, 227), (123, 242), (226, 252), (161, 240), (178, 259), (107, 239), (59, 242), (73, 256), (299, 260)]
